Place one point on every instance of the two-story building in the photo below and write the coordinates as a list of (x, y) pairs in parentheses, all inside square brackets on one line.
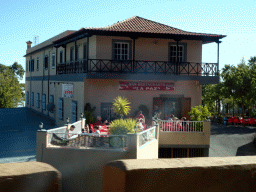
[(147, 62)]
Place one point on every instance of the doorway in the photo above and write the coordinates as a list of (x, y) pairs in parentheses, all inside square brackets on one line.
[(172, 106)]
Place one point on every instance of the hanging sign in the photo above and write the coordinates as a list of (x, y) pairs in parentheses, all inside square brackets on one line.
[(67, 90), (146, 86)]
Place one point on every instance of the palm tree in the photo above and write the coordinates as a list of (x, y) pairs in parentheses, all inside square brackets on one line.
[(121, 106)]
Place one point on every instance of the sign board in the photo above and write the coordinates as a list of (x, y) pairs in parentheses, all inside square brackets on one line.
[(146, 86), (67, 90)]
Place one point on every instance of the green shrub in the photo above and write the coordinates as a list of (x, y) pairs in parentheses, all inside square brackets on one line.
[(199, 113), (122, 126)]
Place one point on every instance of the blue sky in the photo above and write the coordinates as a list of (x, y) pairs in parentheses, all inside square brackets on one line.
[(21, 20)]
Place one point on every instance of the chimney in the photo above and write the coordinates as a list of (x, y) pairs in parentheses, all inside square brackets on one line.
[(29, 44)]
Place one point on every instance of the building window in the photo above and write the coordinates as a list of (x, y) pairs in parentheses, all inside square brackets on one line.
[(46, 62), (107, 112), (43, 101), (73, 111), (60, 108), (32, 98), (121, 51), (51, 98), (32, 64), (179, 53), (85, 51), (29, 65), (71, 53), (77, 53), (51, 101), (38, 100), (53, 60), (37, 64), (27, 98), (61, 57)]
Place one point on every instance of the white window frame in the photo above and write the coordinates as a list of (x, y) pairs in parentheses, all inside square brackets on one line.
[(181, 55), (121, 52)]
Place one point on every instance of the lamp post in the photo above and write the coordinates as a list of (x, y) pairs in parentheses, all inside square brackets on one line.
[(233, 92), (41, 126)]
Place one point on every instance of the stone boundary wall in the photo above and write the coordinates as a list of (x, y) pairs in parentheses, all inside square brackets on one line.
[(191, 174), (29, 176)]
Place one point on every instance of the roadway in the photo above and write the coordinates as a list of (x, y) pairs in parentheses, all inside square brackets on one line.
[(18, 127), (231, 140)]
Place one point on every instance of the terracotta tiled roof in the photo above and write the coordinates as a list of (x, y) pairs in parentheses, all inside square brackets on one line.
[(50, 41), (141, 25), (145, 27)]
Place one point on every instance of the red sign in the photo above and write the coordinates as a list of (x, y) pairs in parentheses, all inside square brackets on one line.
[(146, 86)]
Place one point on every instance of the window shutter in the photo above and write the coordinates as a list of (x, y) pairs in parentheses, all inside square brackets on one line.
[(73, 112), (37, 100), (27, 98), (32, 98), (51, 99), (186, 107), (60, 106)]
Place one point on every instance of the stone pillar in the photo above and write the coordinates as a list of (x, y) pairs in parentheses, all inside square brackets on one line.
[(207, 130), (41, 143), (132, 145)]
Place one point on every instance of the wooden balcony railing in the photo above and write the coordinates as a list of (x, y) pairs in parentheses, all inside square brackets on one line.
[(129, 66)]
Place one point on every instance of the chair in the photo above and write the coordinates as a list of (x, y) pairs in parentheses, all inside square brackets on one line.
[(242, 121), (251, 121), (231, 120), (92, 128), (236, 120)]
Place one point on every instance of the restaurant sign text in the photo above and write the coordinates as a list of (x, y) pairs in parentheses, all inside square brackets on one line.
[(146, 86)]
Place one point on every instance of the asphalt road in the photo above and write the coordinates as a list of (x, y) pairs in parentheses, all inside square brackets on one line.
[(18, 129), (231, 140)]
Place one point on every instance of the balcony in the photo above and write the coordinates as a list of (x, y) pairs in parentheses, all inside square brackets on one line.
[(138, 67)]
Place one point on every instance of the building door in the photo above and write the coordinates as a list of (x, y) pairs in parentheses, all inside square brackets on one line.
[(172, 106), (73, 112), (107, 112)]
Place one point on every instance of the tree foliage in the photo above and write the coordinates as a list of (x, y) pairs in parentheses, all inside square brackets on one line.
[(241, 78), (11, 91), (199, 113)]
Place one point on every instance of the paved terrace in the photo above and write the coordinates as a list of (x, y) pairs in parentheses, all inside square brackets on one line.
[(18, 128)]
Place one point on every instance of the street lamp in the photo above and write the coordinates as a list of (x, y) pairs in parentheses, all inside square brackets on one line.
[(41, 125), (233, 92), (68, 120), (82, 115)]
